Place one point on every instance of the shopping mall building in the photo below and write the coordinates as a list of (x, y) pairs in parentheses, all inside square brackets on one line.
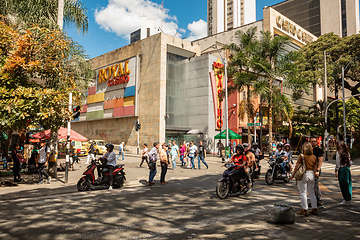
[(165, 83)]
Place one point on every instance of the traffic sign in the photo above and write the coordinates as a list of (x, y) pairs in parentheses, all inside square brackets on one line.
[(250, 124), (258, 124)]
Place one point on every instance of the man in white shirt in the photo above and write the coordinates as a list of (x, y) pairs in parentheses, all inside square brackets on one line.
[(44, 154), (121, 151)]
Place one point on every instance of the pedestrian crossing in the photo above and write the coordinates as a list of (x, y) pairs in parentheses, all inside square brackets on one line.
[(331, 167)]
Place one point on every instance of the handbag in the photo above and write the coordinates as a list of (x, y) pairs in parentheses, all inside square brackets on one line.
[(299, 173), (152, 166)]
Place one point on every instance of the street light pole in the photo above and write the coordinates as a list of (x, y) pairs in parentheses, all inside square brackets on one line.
[(325, 106), (344, 114), (226, 96)]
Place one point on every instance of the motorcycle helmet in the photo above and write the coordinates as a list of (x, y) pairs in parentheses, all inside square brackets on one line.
[(286, 145), (280, 145), (255, 144), (246, 146), (109, 145), (239, 147), (91, 141)]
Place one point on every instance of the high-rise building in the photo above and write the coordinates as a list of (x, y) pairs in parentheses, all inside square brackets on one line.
[(224, 15), (323, 16)]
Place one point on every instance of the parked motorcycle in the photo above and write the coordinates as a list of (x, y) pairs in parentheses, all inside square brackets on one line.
[(88, 181), (230, 184), (275, 171)]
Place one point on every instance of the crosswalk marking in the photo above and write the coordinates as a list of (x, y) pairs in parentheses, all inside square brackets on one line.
[(331, 167)]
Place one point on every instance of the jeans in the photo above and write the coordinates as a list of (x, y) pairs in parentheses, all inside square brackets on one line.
[(306, 185), (144, 159), (173, 158), (182, 160), (192, 161), (283, 164), (164, 167), (152, 175), (344, 176), (317, 189), (90, 155), (42, 171), (111, 176), (120, 153), (202, 159)]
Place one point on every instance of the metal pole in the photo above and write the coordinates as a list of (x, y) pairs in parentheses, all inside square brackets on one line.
[(68, 141), (344, 114), (325, 106), (254, 129), (60, 18), (226, 102), (138, 147)]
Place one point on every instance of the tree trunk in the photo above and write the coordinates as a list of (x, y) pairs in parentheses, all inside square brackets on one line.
[(337, 112), (248, 114), (53, 152)]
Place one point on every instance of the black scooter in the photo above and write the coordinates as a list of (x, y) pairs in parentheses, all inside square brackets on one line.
[(275, 171)]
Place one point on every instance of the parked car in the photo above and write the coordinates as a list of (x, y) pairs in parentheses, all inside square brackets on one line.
[(99, 145)]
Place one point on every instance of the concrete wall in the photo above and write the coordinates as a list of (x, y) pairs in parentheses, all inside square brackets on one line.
[(150, 92), (330, 17)]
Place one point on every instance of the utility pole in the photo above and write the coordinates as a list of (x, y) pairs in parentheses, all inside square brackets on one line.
[(68, 141), (60, 19), (325, 107), (344, 113)]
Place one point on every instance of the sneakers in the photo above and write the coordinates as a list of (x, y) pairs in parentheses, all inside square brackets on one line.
[(345, 203), (41, 182), (314, 211), (48, 180), (151, 183), (320, 205), (110, 188), (303, 212)]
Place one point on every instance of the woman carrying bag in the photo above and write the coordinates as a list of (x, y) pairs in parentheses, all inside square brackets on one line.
[(342, 171), (308, 162)]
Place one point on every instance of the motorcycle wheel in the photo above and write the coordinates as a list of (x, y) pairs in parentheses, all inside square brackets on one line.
[(119, 183), (268, 179), (83, 184), (222, 190)]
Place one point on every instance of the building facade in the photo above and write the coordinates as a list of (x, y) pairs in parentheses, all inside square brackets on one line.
[(224, 15), (323, 16)]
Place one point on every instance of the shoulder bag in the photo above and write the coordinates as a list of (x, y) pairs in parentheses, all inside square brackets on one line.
[(299, 173)]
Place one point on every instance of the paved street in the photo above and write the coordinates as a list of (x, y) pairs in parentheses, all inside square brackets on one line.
[(186, 208)]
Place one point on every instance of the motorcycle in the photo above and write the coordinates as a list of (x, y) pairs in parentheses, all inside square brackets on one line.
[(229, 183), (88, 181), (275, 171)]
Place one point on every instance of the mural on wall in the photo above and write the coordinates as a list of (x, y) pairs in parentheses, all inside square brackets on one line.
[(114, 92)]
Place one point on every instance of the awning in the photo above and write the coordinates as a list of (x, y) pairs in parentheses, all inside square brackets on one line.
[(232, 135), (62, 134)]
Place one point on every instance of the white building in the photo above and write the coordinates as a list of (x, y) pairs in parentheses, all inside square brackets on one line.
[(225, 15)]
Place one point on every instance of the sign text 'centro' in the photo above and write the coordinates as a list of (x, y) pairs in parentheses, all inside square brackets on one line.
[(289, 27), (115, 74)]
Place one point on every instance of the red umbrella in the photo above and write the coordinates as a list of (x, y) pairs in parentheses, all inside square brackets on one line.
[(62, 134)]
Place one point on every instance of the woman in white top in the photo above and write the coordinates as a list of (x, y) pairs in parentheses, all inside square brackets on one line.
[(144, 156)]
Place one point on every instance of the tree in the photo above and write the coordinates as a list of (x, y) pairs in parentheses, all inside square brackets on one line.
[(37, 72), (24, 13), (261, 64)]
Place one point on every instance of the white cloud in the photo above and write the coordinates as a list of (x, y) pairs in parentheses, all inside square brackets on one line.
[(197, 30), (124, 16)]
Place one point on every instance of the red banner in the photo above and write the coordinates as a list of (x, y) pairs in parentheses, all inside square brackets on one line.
[(216, 79)]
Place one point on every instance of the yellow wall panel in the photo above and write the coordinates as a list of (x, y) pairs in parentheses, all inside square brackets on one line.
[(96, 98), (128, 101)]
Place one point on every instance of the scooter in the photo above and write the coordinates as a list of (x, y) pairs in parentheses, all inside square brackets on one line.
[(230, 184), (275, 171), (88, 181)]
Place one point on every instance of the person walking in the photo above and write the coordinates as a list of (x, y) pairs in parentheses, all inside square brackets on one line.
[(174, 152), (153, 156), (202, 155), (44, 154), (121, 151), (192, 154), (182, 154), (306, 184), (144, 156), (16, 163), (342, 172), (164, 163), (91, 152), (318, 152)]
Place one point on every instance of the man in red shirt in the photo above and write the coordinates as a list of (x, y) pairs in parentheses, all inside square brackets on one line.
[(240, 160)]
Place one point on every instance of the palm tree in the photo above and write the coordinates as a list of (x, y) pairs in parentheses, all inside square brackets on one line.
[(24, 13), (240, 70)]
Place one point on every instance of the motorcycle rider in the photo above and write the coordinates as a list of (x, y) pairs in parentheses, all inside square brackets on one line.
[(288, 156), (256, 151), (240, 160), (110, 158), (280, 152), (250, 158)]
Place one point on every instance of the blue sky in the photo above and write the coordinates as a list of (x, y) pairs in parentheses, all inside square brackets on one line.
[(111, 21)]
